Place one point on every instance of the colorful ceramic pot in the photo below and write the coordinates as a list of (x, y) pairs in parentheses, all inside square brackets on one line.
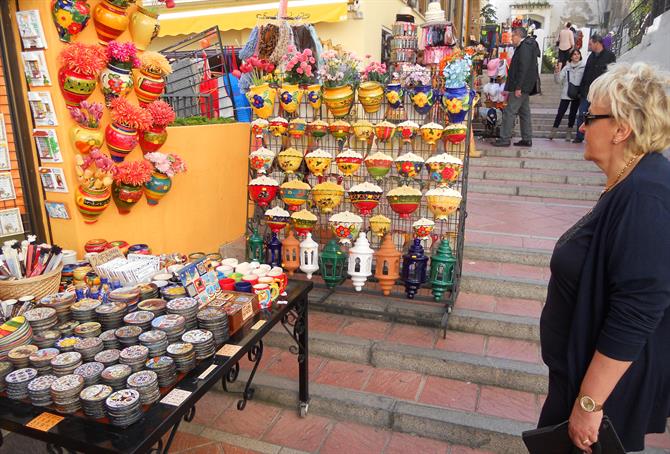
[(432, 133), (423, 99), (363, 130), (394, 95), (380, 225), (70, 17), (289, 160), (110, 21), (76, 87), (262, 99), (97, 245), (263, 190), (122, 245), (409, 165), (442, 202), (404, 200), (148, 85), (423, 228), (455, 133), (144, 27), (83, 138), (348, 162), (339, 100), (378, 164), (277, 219), (317, 129), (156, 188), (318, 161), (121, 140), (126, 196), (456, 103), (371, 95), (314, 96), (340, 129), (261, 160), (92, 202), (327, 196), (290, 96), (406, 131), (297, 128), (365, 197), (278, 126), (115, 81), (294, 194), (152, 139), (303, 222), (259, 126), (345, 226), (384, 131), (444, 168)]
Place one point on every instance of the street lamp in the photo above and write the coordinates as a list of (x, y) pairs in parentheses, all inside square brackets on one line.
[(360, 261), (309, 256), (332, 263)]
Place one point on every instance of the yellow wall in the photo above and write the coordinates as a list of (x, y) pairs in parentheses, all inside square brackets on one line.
[(205, 207)]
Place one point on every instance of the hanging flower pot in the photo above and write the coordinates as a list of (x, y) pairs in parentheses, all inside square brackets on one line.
[(84, 139), (456, 103), (92, 202), (370, 95), (126, 196), (423, 99), (394, 95), (81, 64), (129, 180), (150, 78), (290, 96), (152, 139), (121, 135), (339, 100), (115, 81), (70, 17), (144, 27), (314, 96), (165, 167), (156, 188), (262, 99), (76, 87), (110, 19), (121, 140)]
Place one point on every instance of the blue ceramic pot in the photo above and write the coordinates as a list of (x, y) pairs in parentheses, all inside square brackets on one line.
[(423, 99)]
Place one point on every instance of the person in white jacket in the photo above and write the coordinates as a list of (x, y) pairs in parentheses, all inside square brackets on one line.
[(571, 73)]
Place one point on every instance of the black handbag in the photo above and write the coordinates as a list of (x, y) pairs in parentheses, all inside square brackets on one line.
[(573, 90), (555, 440)]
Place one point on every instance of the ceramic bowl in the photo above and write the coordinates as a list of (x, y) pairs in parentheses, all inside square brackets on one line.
[(442, 202), (278, 126), (318, 162), (409, 165), (277, 219), (384, 131), (365, 197), (340, 129), (345, 226), (432, 133), (363, 130), (455, 133), (444, 168), (380, 225), (378, 165), (289, 160), (261, 160), (297, 128), (406, 131), (423, 228), (348, 162), (294, 194), (327, 196), (303, 222), (404, 200), (259, 126), (263, 190), (317, 129)]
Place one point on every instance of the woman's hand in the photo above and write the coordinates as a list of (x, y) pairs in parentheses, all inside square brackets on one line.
[(583, 427)]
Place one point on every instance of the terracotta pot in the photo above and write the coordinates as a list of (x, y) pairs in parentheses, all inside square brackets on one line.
[(314, 96), (143, 27), (115, 81), (126, 196), (371, 95), (83, 138), (75, 87), (120, 140), (290, 96), (262, 99), (91, 202), (157, 187), (148, 86), (339, 100), (152, 139), (70, 17), (110, 21)]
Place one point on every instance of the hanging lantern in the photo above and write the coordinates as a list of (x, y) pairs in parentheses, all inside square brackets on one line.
[(360, 261), (442, 269), (332, 263), (273, 252), (387, 269), (414, 265), (309, 256), (255, 247), (290, 253)]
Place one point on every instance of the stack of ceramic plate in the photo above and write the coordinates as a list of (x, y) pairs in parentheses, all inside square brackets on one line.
[(5, 368), (61, 302), (41, 360), (139, 318), (172, 324), (90, 372), (165, 369), (203, 343), (155, 305), (15, 332), (111, 315), (46, 339), (20, 356), (17, 383), (187, 307), (65, 393), (84, 310), (108, 357), (183, 355), (145, 382), (39, 390), (148, 291), (67, 328), (123, 407), (134, 356), (216, 321), (41, 318), (115, 376), (65, 363), (89, 347), (109, 339), (128, 335), (171, 292), (128, 295), (88, 329), (93, 400), (156, 341)]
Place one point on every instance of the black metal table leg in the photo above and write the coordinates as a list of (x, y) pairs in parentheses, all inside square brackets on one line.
[(254, 355), (302, 330)]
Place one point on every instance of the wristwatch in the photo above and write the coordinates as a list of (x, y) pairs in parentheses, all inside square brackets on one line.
[(588, 404)]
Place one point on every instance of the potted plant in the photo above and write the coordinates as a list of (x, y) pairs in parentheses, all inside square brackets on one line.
[(95, 175), (70, 17), (80, 66), (110, 19), (165, 167), (371, 91), (121, 134), (298, 74), (153, 138), (129, 180), (85, 135), (417, 80), (144, 24), (150, 77), (261, 95), (116, 80), (457, 98), (340, 78)]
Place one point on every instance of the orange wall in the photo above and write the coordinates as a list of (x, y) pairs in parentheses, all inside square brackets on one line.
[(206, 206)]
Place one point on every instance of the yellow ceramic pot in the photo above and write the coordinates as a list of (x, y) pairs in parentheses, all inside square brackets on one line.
[(83, 138), (442, 202), (339, 100), (318, 162), (432, 133), (363, 130), (262, 99), (289, 160), (110, 21), (143, 27), (290, 96), (371, 94), (314, 96), (380, 225), (327, 196), (348, 162), (294, 193), (278, 126)]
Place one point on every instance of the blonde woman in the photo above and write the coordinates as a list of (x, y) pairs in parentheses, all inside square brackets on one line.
[(605, 328)]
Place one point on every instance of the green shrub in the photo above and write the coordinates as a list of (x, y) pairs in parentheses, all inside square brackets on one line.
[(200, 120)]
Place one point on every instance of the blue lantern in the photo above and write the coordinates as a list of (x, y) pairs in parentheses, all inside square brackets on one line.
[(273, 256), (414, 266)]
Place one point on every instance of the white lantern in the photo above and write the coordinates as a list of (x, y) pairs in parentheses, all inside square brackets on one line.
[(309, 256), (360, 261)]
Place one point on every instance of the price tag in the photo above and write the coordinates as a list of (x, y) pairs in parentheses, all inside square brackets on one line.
[(175, 397), (228, 350), (207, 372), (44, 422), (247, 311), (258, 324)]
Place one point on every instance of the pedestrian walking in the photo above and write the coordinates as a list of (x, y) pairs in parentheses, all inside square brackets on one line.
[(570, 77), (522, 79), (596, 65), (565, 43)]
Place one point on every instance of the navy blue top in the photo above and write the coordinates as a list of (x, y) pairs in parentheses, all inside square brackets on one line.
[(610, 291)]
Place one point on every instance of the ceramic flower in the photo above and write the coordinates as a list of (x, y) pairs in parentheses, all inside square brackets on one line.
[(420, 99), (393, 97), (454, 105)]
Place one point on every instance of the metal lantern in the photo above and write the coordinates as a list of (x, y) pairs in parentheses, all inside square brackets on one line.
[(273, 252), (332, 263), (387, 269), (414, 265), (255, 247), (291, 253), (442, 269), (360, 261), (309, 256)]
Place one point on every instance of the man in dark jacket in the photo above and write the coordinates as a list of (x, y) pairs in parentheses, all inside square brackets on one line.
[(596, 65), (521, 83)]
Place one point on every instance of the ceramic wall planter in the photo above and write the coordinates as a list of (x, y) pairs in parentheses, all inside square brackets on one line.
[(442, 202), (339, 100), (121, 140), (143, 27), (115, 81), (148, 86), (371, 95), (314, 95), (289, 160), (110, 21), (394, 95), (423, 99), (152, 139), (157, 187), (75, 87), (262, 99), (84, 139), (91, 202), (70, 17), (456, 103), (290, 96), (126, 196)]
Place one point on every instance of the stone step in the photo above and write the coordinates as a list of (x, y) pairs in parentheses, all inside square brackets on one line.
[(553, 190), (493, 253), (488, 284), (542, 150), (536, 176), (535, 163)]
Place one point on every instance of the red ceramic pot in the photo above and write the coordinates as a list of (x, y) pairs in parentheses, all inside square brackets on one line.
[(148, 86), (227, 284), (75, 87), (263, 194), (365, 202), (404, 205), (126, 196), (97, 245), (122, 245), (92, 202), (121, 140), (152, 139)]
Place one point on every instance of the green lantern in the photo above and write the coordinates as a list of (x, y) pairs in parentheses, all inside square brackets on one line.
[(442, 269), (332, 263), (255, 247)]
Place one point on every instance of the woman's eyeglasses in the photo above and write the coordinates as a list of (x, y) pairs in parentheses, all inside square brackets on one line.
[(589, 117)]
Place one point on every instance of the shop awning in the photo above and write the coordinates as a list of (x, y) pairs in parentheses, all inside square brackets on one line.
[(240, 17)]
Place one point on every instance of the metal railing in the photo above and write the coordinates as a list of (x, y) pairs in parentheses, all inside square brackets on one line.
[(633, 27)]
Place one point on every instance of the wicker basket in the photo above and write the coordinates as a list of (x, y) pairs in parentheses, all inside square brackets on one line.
[(38, 286)]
